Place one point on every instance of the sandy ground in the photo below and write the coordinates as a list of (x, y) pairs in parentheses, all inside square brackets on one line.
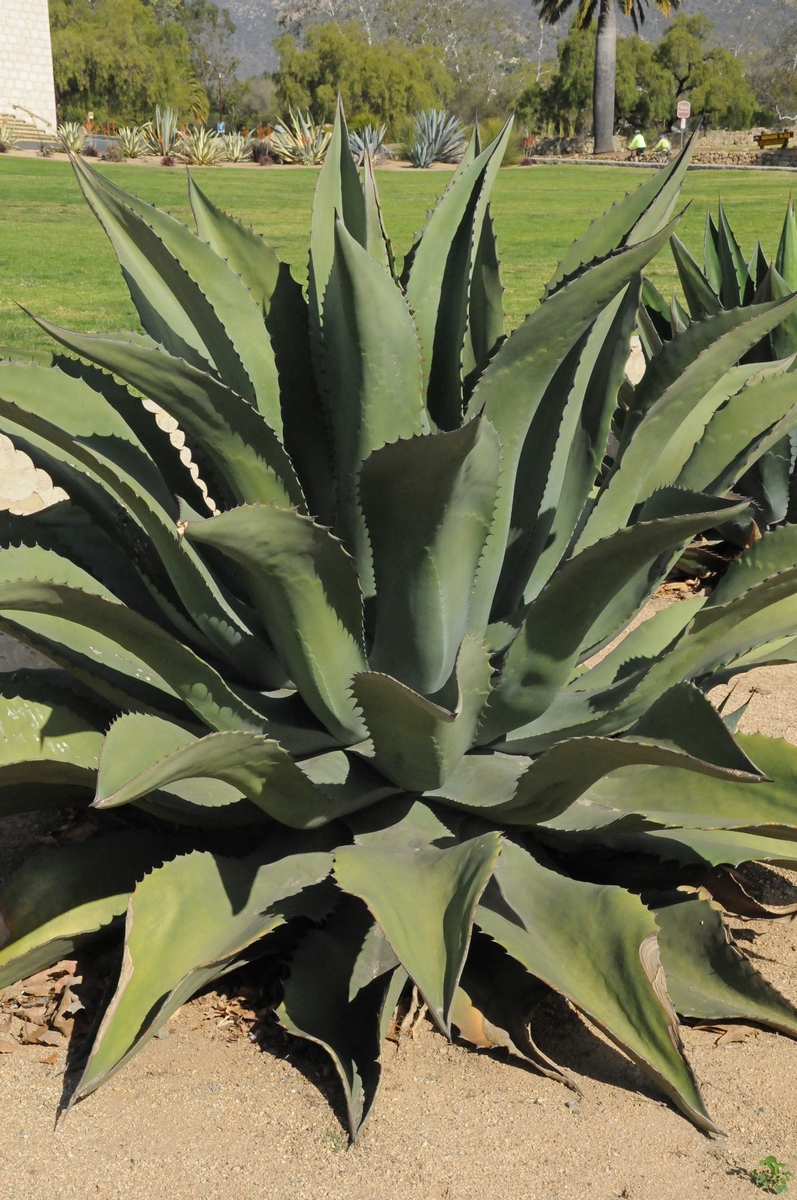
[(207, 1112)]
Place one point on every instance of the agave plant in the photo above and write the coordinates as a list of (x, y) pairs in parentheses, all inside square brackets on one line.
[(727, 281), (436, 137), (132, 141), (237, 147), (7, 139), (352, 719), (200, 147), (300, 139), (163, 133), (371, 140), (72, 136)]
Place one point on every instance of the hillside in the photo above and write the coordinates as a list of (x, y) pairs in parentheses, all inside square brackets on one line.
[(740, 25)]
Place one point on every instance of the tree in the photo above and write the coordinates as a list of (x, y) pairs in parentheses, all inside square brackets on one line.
[(379, 82), (117, 59), (711, 77), (481, 42), (603, 86)]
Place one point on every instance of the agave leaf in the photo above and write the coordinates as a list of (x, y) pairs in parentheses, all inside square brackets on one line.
[(563, 452), (418, 740), (786, 258), (610, 969), (557, 624), (707, 977), (338, 194), (711, 257), (247, 453), (422, 885), (700, 296), (714, 802), (186, 294), (135, 647), (513, 386), (736, 286), (444, 488), (372, 372), (676, 380), (784, 337), (343, 986), (485, 327), (305, 588), (63, 897), (640, 647), (50, 737), (438, 276), (775, 551), (377, 243), (638, 216), (190, 922), (247, 254), (143, 754), (748, 425)]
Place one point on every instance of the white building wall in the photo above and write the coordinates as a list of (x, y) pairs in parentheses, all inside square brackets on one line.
[(26, 60)]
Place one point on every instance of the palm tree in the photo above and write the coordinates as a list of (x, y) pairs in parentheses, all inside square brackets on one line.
[(605, 50)]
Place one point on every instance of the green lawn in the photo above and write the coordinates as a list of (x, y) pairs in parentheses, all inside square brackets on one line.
[(55, 260)]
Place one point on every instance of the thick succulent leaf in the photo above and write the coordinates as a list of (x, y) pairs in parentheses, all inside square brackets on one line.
[(707, 977), (422, 884), (784, 337), (680, 730), (85, 434), (246, 452), (558, 622), (63, 897), (131, 645), (417, 740), (50, 741), (638, 216), (186, 294), (775, 551), (189, 922), (747, 425), (714, 803), (513, 386), (143, 754), (428, 504), (338, 194), (248, 255), (640, 646), (372, 377), (485, 328), (343, 986), (676, 380), (711, 259), (786, 258), (305, 588), (700, 296), (736, 286), (563, 452), (377, 243), (438, 276), (596, 945)]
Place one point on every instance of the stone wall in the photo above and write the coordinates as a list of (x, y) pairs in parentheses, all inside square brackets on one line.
[(26, 61)]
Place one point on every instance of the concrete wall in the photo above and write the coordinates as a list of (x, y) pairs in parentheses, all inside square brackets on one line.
[(26, 60)]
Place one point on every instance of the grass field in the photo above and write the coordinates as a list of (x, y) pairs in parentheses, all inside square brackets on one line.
[(56, 261)]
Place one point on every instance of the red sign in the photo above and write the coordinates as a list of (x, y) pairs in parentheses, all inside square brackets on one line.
[(684, 109)]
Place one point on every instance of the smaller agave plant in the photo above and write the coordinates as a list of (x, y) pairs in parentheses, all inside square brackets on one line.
[(72, 136), (237, 147), (132, 141), (436, 137), (7, 140), (371, 140), (200, 147), (163, 133), (300, 139), (726, 281)]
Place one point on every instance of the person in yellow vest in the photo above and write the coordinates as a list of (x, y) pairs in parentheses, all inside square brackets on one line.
[(637, 145), (663, 145)]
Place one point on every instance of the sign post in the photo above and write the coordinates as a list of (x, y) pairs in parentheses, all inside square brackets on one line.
[(683, 111)]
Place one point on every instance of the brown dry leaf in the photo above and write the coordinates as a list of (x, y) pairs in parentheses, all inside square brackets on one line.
[(50, 1038), (36, 1015), (31, 1034), (7, 1046), (50, 1060), (728, 1032)]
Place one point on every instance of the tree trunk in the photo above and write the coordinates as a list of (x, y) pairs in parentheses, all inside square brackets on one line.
[(605, 70)]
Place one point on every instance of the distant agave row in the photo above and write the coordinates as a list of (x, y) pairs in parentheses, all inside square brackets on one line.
[(353, 721)]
